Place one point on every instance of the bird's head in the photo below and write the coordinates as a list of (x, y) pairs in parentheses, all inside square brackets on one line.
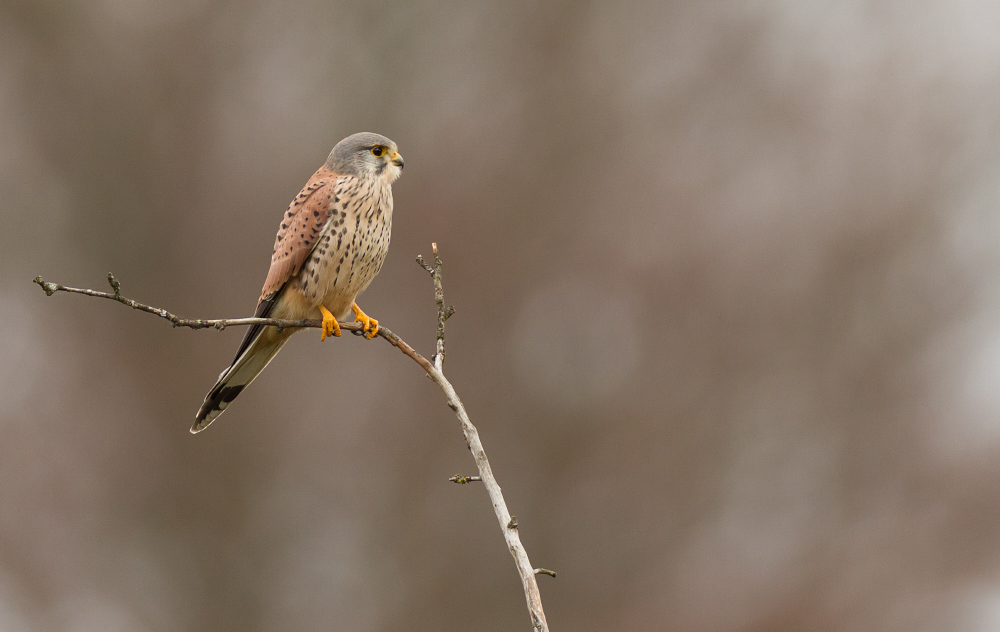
[(366, 155)]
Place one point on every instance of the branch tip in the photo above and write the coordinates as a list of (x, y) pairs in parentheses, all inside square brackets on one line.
[(424, 265), (462, 480), (545, 571), (115, 285), (48, 288)]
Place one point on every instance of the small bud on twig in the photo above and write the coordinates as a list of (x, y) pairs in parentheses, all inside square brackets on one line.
[(115, 285)]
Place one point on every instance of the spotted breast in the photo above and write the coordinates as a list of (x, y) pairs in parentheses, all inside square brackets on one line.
[(352, 245)]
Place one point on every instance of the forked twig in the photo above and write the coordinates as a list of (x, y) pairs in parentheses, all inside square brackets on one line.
[(444, 313), (434, 370)]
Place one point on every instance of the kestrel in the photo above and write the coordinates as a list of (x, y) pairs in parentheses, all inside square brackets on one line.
[(332, 242)]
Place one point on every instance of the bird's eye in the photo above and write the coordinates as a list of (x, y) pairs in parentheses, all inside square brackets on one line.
[(377, 151)]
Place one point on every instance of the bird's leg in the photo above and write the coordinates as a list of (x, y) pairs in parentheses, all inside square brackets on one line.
[(369, 322), (330, 325)]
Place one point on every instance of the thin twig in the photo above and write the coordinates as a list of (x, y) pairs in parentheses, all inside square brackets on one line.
[(444, 313), (434, 370), (203, 323), (462, 480)]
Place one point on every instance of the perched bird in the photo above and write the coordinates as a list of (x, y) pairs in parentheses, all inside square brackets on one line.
[(332, 242)]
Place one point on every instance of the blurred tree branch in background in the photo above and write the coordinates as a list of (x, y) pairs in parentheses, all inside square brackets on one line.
[(434, 370)]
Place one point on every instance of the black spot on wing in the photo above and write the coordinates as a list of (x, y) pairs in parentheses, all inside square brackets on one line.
[(229, 393)]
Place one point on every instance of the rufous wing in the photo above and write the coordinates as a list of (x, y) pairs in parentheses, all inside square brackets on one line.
[(298, 234), (300, 230)]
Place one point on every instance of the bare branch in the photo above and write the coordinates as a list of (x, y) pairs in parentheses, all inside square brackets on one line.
[(204, 323), (434, 370), (444, 313)]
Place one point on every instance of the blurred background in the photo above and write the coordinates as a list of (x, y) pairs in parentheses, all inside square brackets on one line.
[(727, 284)]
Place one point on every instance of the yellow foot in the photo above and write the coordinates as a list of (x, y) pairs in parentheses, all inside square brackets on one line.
[(370, 324), (330, 325)]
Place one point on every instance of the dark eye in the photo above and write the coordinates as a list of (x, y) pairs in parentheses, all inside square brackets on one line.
[(377, 151)]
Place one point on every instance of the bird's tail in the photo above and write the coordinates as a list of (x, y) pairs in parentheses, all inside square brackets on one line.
[(237, 377)]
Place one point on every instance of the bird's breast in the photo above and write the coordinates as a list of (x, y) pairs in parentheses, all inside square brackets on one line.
[(350, 250)]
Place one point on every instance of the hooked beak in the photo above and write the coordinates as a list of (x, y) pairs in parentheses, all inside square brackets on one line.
[(397, 159)]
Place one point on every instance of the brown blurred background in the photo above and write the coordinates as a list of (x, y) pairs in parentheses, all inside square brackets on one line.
[(728, 321)]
